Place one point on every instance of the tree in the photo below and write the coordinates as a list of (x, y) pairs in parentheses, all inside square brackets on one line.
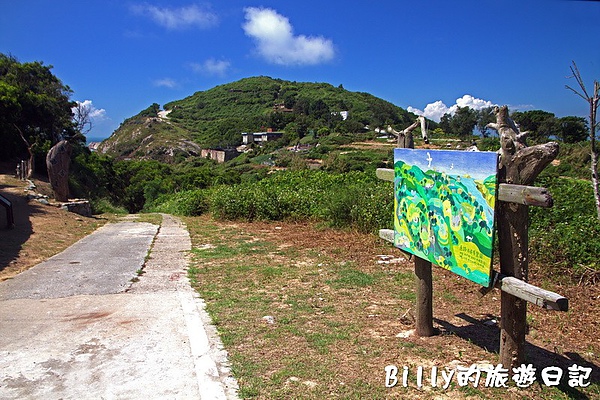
[(485, 116), (82, 117), (461, 123), (541, 125), (572, 129), (34, 108), (593, 100), (445, 123)]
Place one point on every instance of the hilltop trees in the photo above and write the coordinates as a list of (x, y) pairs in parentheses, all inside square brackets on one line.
[(540, 125), (263, 102), (35, 110), (461, 123), (572, 129)]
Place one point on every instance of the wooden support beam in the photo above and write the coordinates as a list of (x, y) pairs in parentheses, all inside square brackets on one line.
[(526, 195), (387, 235), (516, 287), (424, 306), (519, 194), (533, 294), (385, 174)]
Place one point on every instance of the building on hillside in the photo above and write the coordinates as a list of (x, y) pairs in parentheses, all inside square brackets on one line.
[(219, 155), (280, 107), (343, 114), (93, 146), (260, 137)]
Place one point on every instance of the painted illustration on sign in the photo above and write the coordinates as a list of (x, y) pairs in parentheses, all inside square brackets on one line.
[(444, 208)]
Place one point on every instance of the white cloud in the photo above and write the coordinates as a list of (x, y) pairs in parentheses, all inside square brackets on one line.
[(178, 18), (165, 82), (437, 109), (476, 104), (212, 67), (276, 42), (94, 113)]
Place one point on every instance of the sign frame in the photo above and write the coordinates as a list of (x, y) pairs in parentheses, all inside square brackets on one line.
[(444, 208)]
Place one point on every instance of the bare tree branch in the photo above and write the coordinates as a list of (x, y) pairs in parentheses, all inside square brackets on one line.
[(82, 116), (593, 102)]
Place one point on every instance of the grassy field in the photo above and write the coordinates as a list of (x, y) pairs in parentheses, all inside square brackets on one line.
[(311, 312)]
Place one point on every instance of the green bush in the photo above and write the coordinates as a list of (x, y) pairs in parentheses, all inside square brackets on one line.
[(101, 206), (354, 200), (566, 237), (187, 203)]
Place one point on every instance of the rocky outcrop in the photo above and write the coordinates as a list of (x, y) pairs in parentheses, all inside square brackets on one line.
[(150, 138)]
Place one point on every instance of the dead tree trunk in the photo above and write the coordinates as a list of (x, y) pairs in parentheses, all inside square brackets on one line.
[(594, 101), (519, 165), (594, 162), (58, 162), (31, 163), (405, 138)]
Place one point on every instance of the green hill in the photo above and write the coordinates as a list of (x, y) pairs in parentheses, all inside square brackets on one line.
[(216, 117)]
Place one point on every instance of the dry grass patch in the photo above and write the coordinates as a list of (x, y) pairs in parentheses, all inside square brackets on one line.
[(40, 231), (307, 312)]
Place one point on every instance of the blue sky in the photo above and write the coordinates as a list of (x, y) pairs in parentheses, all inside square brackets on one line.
[(429, 55)]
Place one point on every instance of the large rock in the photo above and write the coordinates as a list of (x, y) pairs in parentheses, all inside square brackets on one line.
[(58, 162), (81, 207)]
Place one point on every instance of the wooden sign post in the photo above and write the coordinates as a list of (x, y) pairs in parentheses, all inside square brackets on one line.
[(518, 167), (423, 276)]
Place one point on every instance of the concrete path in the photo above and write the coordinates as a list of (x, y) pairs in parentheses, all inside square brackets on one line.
[(77, 327)]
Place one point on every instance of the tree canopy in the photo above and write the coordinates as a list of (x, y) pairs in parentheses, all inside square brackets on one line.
[(573, 129), (461, 123), (35, 109), (541, 125)]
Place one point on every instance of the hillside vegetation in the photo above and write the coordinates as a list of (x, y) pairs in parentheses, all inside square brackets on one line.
[(328, 166), (217, 117)]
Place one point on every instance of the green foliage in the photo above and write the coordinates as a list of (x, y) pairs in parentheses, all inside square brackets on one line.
[(573, 129), (541, 125), (566, 236), (151, 111), (187, 202), (103, 205), (484, 117), (354, 200), (140, 185), (365, 207), (216, 117), (34, 107), (489, 144), (573, 161), (461, 123)]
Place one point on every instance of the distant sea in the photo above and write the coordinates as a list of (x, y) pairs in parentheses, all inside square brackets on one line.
[(90, 139)]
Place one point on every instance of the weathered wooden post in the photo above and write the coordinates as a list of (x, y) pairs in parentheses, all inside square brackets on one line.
[(519, 165), (424, 278)]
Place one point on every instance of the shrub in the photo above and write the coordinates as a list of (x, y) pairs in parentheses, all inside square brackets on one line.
[(566, 237), (101, 206), (354, 200), (187, 203)]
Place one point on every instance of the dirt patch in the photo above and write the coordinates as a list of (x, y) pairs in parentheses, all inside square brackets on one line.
[(40, 231)]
